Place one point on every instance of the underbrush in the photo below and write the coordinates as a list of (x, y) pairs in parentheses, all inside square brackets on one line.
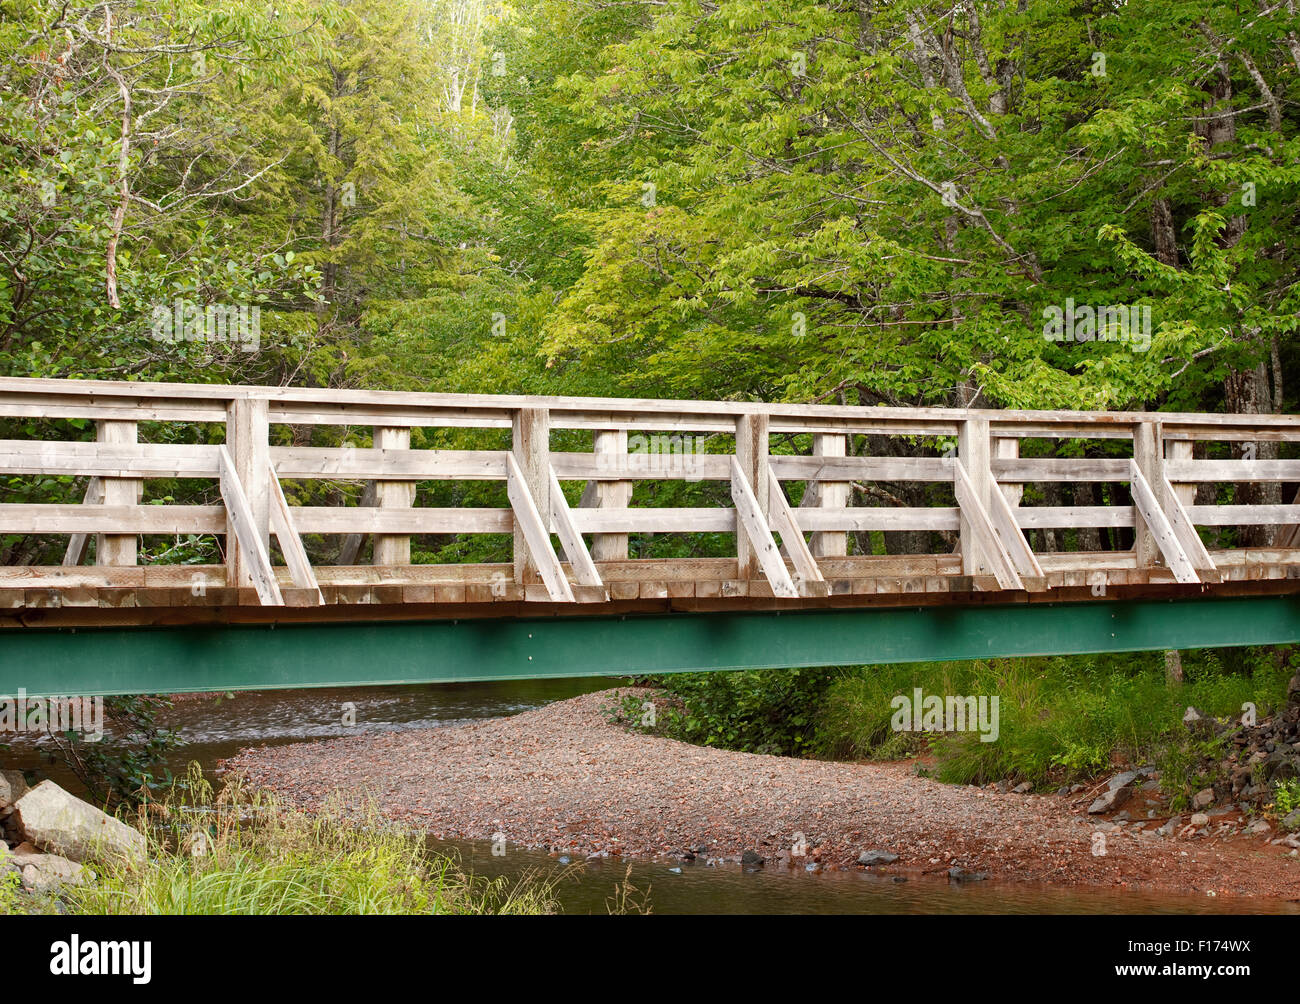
[(1060, 719), (759, 711), (231, 854)]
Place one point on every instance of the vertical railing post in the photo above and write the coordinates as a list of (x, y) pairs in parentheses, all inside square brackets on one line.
[(973, 446), (247, 436), (831, 495), (117, 548), (391, 548), (1181, 449), (531, 446), (1008, 448), (751, 452), (610, 447), (1148, 451)]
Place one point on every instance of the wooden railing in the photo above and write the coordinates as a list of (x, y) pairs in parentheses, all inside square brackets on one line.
[(783, 551)]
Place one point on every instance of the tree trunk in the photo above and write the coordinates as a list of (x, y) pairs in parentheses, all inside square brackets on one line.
[(1174, 668)]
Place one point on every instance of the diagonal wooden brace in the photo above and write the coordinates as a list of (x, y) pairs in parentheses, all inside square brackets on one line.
[(750, 522), (808, 576), (986, 537), (584, 569), (79, 542), (1190, 541), (1007, 527), (535, 533), (295, 555), (239, 514), (1157, 523)]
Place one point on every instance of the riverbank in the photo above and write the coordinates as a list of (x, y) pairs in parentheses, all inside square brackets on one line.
[(562, 777)]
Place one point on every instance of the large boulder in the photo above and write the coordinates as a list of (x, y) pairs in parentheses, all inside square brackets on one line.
[(61, 824), (12, 787)]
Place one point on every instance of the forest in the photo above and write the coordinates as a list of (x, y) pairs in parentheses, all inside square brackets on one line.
[(856, 202)]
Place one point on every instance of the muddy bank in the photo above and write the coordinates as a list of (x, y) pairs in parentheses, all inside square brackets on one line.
[(563, 778)]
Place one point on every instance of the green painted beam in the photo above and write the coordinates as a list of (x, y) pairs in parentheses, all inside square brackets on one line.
[(181, 659)]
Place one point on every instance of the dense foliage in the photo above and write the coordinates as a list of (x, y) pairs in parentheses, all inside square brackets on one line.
[(777, 199), (1059, 720), (760, 711)]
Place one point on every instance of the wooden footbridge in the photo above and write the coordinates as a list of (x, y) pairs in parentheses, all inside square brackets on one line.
[(290, 604)]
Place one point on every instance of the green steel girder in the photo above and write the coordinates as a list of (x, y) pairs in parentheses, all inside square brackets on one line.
[(63, 661)]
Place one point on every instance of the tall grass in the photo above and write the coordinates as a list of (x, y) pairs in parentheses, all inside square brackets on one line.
[(227, 854), (1062, 718)]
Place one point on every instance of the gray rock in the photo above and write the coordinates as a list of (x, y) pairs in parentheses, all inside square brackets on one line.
[(1203, 799), (1280, 767), (1259, 826), (869, 858), (61, 824), (1292, 820), (43, 872), (958, 874), (1022, 789), (1109, 800), (751, 859), (1200, 819), (12, 787), (1122, 780)]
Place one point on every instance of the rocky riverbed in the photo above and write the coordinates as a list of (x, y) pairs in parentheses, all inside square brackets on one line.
[(565, 778)]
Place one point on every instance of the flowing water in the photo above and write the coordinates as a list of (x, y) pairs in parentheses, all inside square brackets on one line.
[(216, 727)]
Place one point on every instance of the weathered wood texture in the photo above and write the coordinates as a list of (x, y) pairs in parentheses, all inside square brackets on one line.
[(581, 553)]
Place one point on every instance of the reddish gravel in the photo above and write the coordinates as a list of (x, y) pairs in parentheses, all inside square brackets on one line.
[(562, 777)]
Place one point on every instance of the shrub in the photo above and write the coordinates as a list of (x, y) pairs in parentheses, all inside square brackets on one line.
[(756, 711), (232, 855)]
